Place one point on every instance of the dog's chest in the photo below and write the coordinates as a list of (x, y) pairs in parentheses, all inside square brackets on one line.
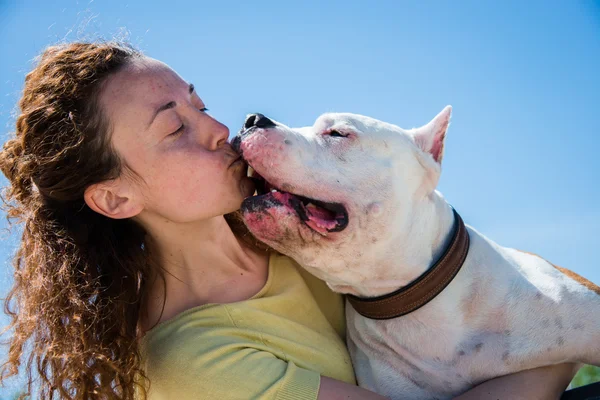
[(404, 356)]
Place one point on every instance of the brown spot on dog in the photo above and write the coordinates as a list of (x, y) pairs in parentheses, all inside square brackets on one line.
[(461, 353), (287, 141), (581, 280), (478, 347), (590, 285), (549, 349), (560, 341)]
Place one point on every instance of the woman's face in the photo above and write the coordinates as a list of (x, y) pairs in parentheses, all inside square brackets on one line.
[(160, 129)]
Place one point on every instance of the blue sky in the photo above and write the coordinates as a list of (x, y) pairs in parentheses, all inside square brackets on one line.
[(521, 160)]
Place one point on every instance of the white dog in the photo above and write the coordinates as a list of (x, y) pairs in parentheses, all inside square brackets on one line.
[(353, 200)]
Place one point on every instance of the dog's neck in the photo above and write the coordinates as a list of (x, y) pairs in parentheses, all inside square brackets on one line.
[(415, 249), (441, 222)]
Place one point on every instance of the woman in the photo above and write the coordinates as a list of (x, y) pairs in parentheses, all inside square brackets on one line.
[(132, 271)]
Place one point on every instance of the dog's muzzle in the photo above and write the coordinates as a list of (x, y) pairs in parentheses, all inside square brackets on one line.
[(257, 120)]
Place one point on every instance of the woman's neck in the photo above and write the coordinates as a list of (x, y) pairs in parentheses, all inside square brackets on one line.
[(202, 263)]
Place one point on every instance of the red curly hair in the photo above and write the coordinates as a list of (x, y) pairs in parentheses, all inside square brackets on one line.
[(80, 278)]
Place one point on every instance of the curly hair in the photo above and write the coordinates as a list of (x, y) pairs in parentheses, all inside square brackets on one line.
[(80, 278)]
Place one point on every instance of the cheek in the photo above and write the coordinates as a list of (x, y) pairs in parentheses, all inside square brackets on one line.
[(189, 179)]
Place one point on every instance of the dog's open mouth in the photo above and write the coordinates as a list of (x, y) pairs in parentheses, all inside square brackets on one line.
[(320, 216)]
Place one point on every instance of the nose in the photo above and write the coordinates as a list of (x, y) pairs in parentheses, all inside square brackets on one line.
[(252, 120), (258, 120)]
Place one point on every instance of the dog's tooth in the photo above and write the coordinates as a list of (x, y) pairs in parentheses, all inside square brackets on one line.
[(250, 172), (311, 205), (273, 190)]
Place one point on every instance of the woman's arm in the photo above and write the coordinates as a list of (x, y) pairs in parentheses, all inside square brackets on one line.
[(331, 389), (541, 383), (545, 383)]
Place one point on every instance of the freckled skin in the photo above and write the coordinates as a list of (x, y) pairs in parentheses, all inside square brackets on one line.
[(505, 311), (188, 177)]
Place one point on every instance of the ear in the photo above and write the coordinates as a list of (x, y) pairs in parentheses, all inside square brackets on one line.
[(430, 138), (115, 199)]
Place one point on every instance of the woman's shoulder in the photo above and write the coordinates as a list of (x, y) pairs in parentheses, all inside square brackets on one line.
[(275, 330), (282, 278), (204, 350), (183, 331), (292, 302)]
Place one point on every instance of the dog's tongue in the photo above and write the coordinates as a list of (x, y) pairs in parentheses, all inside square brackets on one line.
[(320, 219)]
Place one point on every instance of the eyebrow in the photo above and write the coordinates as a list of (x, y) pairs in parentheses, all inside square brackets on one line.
[(169, 105)]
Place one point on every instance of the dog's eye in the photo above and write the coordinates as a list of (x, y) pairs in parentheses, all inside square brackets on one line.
[(336, 134)]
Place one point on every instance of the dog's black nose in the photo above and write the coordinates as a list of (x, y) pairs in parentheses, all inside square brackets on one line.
[(257, 120), (235, 143)]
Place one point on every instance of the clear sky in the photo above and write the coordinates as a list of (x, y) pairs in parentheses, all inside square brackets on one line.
[(521, 161)]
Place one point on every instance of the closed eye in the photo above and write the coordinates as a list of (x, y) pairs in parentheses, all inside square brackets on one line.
[(334, 133), (180, 130)]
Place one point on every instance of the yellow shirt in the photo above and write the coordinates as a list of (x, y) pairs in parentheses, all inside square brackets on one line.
[(274, 345)]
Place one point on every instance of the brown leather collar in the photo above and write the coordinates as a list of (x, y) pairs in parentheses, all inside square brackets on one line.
[(421, 291)]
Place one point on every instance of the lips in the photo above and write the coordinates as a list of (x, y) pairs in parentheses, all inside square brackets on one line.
[(320, 216)]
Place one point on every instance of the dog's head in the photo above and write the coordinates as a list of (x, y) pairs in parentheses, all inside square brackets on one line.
[(335, 195)]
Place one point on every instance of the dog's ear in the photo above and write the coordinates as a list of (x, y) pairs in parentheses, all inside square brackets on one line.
[(430, 138)]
